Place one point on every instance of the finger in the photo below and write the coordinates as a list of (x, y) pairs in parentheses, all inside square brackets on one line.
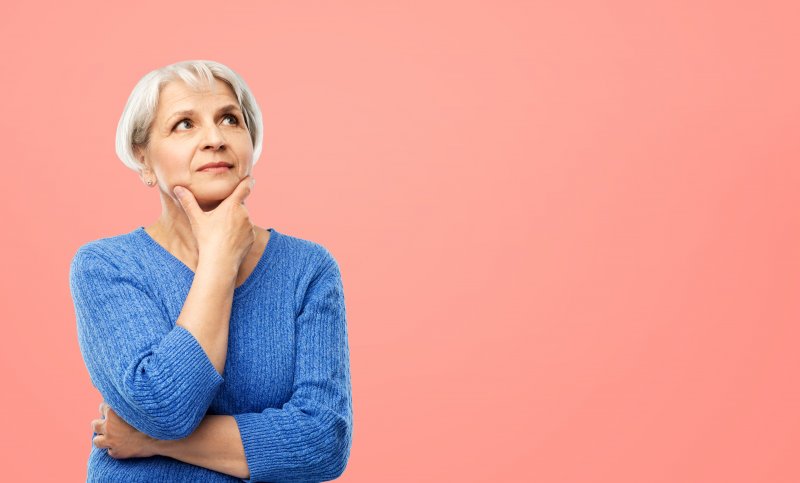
[(188, 202), (104, 409), (251, 186), (242, 190), (100, 441), (246, 187)]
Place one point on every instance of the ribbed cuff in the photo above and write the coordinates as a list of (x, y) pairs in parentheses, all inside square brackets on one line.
[(255, 439), (250, 428), (188, 361)]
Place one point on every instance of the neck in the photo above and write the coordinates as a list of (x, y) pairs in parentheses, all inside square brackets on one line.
[(174, 232), (174, 229)]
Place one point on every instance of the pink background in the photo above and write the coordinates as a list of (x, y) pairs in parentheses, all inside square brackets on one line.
[(568, 231)]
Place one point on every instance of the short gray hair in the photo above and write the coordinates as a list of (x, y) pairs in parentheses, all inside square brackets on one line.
[(140, 110)]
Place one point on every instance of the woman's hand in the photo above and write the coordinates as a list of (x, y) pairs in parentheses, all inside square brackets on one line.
[(120, 438), (225, 231)]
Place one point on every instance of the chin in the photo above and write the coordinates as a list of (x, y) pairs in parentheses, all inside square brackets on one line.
[(213, 192)]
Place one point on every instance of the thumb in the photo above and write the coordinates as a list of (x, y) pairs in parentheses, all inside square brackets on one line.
[(188, 202)]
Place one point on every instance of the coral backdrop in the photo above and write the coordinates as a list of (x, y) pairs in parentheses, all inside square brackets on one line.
[(568, 231)]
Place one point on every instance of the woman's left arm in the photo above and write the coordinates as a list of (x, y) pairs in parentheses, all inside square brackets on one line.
[(308, 437), (216, 444)]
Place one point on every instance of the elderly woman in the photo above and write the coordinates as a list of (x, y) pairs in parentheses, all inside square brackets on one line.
[(220, 348)]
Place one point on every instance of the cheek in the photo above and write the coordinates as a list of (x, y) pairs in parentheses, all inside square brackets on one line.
[(243, 147), (173, 157)]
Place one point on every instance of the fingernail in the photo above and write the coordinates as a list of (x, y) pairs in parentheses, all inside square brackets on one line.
[(178, 191)]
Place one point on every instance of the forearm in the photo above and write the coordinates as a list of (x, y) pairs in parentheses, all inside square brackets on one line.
[(216, 445), (207, 309)]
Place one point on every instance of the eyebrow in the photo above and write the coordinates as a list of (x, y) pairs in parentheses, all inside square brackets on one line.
[(228, 108)]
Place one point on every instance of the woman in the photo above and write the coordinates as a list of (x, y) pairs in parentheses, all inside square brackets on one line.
[(220, 348)]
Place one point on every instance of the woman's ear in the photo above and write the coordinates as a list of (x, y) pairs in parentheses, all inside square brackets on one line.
[(138, 152), (146, 173)]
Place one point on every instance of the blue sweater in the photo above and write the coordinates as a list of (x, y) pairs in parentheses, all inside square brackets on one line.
[(287, 373)]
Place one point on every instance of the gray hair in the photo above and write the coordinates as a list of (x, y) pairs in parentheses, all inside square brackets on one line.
[(134, 126)]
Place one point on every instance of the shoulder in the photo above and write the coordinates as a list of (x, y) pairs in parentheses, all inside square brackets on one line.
[(313, 268), (116, 252), (310, 256), (316, 274)]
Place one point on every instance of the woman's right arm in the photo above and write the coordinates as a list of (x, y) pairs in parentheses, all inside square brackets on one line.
[(207, 310), (161, 375), (154, 373), (224, 237)]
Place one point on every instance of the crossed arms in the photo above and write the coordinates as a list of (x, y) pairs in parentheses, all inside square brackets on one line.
[(160, 379)]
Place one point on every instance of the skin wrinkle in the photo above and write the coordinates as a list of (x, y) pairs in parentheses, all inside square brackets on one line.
[(230, 108)]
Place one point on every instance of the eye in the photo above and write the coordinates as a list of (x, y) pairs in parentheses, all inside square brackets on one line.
[(233, 118), (181, 122)]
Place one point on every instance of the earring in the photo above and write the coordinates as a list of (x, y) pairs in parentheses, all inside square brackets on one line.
[(150, 182)]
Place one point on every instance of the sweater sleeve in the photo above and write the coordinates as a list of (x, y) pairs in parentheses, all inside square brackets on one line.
[(309, 438), (154, 374)]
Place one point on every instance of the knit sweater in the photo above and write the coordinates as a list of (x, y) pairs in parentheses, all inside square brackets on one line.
[(286, 379)]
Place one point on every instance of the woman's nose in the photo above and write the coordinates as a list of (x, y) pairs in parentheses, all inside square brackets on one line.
[(213, 138)]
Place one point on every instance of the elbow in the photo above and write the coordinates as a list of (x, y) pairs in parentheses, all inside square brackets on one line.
[(174, 418), (334, 449), (168, 430), (148, 417), (168, 408), (337, 465), (166, 415), (169, 426)]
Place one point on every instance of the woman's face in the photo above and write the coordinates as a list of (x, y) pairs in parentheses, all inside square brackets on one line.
[(193, 128)]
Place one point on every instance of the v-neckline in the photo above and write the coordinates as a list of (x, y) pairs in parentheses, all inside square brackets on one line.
[(189, 273)]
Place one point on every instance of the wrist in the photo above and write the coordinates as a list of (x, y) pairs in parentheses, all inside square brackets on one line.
[(220, 267), (162, 447)]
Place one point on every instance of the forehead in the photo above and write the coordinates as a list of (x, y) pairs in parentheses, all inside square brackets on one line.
[(179, 96)]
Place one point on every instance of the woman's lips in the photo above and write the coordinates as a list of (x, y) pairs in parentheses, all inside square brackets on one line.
[(215, 169)]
